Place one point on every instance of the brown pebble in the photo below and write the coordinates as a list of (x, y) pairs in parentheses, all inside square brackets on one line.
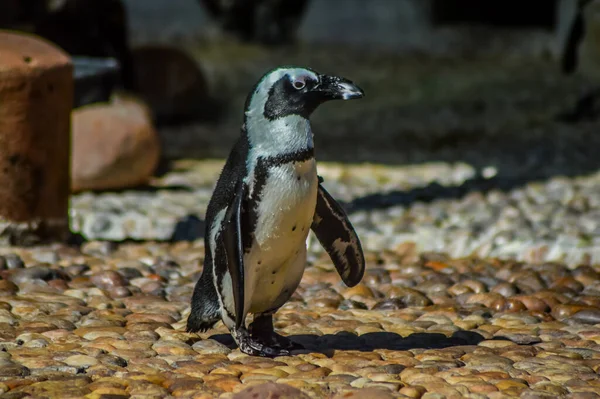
[(413, 392), (533, 303), (505, 289), (360, 290), (59, 284), (119, 292), (563, 311), (499, 305), (8, 288), (486, 299), (514, 305), (108, 279), (568, 283), (371, 393), (408, 296), (270, 390), (459, 289)]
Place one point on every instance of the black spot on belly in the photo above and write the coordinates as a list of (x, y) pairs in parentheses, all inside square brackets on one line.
[(274, 272), (298, 178), (294, 228), (297, 251), (272, 282), (259, 262)]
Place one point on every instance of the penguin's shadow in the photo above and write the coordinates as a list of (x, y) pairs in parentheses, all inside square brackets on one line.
[(328, 343), (432, 192)]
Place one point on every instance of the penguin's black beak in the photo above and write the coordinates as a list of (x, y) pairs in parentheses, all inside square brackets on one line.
[(338, 88)]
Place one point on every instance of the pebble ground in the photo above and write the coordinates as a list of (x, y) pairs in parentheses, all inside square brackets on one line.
[(483, 257), (436, 316)]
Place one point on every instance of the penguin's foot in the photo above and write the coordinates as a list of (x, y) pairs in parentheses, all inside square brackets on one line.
[(254, 347), (262, 329)]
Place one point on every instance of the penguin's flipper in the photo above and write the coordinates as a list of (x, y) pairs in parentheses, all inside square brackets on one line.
[(232, 241), (336, 234)]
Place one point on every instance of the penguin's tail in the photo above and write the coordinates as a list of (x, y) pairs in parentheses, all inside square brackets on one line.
[(205, 311)]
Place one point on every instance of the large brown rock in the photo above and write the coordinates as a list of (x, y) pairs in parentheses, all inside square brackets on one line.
[(270, 390), (36, 97), (115, 145), (172, 83)]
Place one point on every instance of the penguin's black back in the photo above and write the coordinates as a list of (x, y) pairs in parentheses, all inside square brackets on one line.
[(205, 303)]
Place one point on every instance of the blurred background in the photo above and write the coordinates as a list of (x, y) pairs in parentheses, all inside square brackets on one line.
[(463, 80), (498, 86)]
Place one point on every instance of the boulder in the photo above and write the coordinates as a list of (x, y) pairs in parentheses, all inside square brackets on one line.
[(36, 96), (115, 145), (172, 83)]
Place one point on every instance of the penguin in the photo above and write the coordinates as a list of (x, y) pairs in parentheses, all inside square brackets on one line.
[(266, 200), (581, 54)]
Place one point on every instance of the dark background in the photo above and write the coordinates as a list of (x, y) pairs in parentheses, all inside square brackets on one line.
[(446, 80)]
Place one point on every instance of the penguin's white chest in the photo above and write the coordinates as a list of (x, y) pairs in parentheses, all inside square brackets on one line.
[(276, 261)]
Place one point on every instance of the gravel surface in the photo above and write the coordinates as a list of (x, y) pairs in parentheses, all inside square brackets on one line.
[(482, 281), (441, 207), (107, 321), (439, 314)]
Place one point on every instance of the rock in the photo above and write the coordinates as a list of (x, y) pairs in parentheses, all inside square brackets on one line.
[(171, 82), (371, 393), (108, 280), (115, 146), (11, 369), (359, 290), (505, 289), (8, 288), (270, 390), (82, 361), (10, 262), (45, 273), (210, 346), (409, 296), (587, 316), (36, 98), (533, 303)]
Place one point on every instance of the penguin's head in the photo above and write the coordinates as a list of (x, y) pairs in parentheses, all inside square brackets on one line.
[(298, 91)]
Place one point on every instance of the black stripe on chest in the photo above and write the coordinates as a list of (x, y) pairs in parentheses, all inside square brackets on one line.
[(261, 173)]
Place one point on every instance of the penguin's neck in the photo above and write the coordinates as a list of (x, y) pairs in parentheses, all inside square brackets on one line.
[(279, 137)]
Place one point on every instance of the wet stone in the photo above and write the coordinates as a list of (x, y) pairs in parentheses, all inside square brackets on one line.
[(587, 316), (8, 288), (108, 279), (45, 273), (421, 324), (210, 346)]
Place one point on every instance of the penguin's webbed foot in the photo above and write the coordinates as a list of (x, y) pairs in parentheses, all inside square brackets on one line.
[(262, 329), (255, 347)]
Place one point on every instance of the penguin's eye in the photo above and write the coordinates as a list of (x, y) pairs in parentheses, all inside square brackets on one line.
[(299, 84)]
